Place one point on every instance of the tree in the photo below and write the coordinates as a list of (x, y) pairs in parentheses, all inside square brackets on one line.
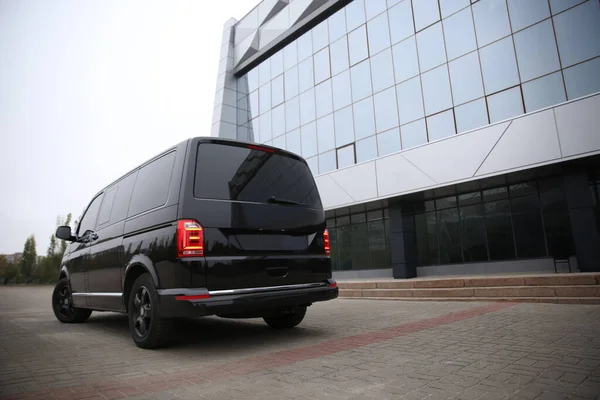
[(8, 270), (29, 260)]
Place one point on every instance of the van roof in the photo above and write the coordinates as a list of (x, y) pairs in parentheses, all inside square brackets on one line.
[(185, 143)]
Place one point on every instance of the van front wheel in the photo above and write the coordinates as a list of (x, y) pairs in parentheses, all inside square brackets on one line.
[(147, 328), (286, 321), (62, 305)]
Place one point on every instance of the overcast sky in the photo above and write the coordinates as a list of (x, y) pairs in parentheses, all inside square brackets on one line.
[(90, 89)]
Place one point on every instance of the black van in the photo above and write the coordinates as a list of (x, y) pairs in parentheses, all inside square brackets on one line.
[(209, 227)]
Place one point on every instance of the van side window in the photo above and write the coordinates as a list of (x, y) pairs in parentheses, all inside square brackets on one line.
[(121, 205), (88, 222), (152, 185), (107, 205)]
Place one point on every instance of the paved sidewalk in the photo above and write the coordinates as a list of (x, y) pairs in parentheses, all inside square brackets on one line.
[(344, 349)]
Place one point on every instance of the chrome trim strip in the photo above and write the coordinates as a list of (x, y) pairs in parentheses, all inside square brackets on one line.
[(99, 294), (264, 289)]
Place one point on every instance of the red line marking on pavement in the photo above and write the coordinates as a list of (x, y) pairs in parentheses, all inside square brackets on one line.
[(194, 376)]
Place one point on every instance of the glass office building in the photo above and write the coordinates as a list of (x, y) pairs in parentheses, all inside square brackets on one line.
[(446, 136)]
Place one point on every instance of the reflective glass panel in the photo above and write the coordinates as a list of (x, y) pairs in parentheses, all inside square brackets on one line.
[(436, 90), (313, 164), (536, 51), (441, 125), (410, 100), (374, 7), (449, 236), (426, 12), (361, 80), (499, 230), (327, 162), (307, 107), (321, 60), (366, 149), (344, 127), (430, 43), (388, 142), (342, 94), (583, 79), (449, 7), (378, 33), (265, 133), (529, 231), (277, 91), (406, 63), (401, 21), (264, 72), (561, 5), (471, 115), (491, 21), (499, 66), (324, 98), (309, 139), (325, 134), (339, 56), (544, 92), (305, 47), (526, 13), (320, 36), (386, 113), (277, 64), (465, 76), (357, 45), (578, 33), (291, 83), (345, 156), (290, 55), (459, 34), (337, 25), (382, 69), (427, 243), (252, 76), (265, 98), (364, 118), (278, 120), (505, 105), (306, 78), (292, 114), (253, 99), (293, 143), (472, 232), (355, 14), (413, 134), (279, 142)]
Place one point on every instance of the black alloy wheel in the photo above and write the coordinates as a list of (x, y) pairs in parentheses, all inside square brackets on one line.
[(62, 304), (142, 312)]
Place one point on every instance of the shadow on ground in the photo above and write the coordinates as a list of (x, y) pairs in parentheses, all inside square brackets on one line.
[(214, 334)]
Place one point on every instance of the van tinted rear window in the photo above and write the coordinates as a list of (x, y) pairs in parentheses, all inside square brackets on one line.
[(236, 173)]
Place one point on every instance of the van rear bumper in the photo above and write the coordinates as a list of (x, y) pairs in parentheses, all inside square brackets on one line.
[(244, 303)]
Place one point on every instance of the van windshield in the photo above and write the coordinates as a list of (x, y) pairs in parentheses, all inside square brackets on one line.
[(236, 173)]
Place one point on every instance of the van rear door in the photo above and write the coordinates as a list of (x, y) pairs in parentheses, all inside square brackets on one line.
[(261, 214)]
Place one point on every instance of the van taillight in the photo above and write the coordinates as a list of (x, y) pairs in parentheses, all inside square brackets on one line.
[(326, 242), (190, 239)]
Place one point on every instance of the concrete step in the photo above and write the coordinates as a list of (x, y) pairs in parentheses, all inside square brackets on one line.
[(550, 280), (554, 300), (506, 291)]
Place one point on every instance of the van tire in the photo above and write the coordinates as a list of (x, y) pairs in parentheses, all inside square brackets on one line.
[(148, 330), (286, 321), (65, 312)]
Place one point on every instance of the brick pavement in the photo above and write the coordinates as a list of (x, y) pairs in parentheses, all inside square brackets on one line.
[(346, 349)]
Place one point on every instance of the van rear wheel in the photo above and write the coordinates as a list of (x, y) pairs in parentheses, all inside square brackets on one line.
[(148, 329), (288, 320)]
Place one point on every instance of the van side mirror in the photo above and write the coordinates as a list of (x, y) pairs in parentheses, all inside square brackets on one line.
[(64, 233)]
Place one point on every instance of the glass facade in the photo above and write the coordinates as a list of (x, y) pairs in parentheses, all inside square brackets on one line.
[(381, 76), (510, 217)]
